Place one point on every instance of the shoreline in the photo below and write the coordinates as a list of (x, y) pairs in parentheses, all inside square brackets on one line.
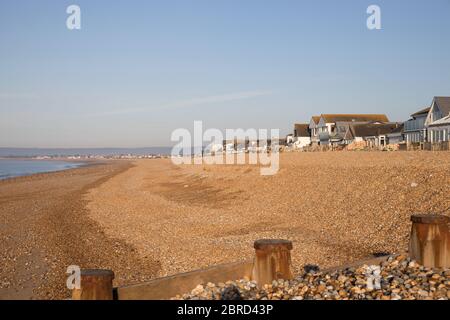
[(81, 164), (46, 229)]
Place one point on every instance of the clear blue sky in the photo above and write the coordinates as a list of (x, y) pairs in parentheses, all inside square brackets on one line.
[(137, 70)]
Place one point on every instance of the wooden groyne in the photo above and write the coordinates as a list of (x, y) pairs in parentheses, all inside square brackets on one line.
[(429, 246)]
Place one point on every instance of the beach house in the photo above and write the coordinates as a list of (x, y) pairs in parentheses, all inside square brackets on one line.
[(302, 136), (314, 130), (429, 124), (374, 134), (415, 130), (437, 120), (439, 130), (333, 128), (396, 136)]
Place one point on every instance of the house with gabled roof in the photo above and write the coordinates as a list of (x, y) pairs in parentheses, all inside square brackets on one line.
[(426, 125), (314, 129), (332, 128), (374, 134), (437, 120)]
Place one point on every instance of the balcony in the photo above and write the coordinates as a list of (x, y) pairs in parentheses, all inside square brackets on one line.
[(415, 124)]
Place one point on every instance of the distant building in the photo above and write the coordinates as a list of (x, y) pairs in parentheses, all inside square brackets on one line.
[(429, 124), (437, 121), (333, 128), (302, 135), (439, 130), (314, 130), (414, 129), (290, 138), (396, 136), (375, 135)]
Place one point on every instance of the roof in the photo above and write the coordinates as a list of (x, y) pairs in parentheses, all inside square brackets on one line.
[(301, 130), (373, 129), (316, 119), (349, 134), (332, 118), (420, 112), (443, 104), (398, 130)]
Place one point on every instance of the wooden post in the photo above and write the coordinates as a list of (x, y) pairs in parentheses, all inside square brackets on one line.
[(272, 261), (96, 284), (429, 243)]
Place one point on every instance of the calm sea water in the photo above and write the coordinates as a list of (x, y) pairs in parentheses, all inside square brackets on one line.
[(16, 168), (33, 152)]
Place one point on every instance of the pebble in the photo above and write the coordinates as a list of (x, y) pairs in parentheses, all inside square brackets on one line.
[(401, 278)]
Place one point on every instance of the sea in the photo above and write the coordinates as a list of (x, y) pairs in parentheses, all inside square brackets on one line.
[(64, 152), (10, 168)]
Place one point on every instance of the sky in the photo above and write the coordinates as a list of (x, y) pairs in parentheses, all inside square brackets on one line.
[(138, 70)]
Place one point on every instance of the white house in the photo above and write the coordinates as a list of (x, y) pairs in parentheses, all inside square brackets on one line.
[(439, 130), (437, 119), (302, 135), (314, 129)]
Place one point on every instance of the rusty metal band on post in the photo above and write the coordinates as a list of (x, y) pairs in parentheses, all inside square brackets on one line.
[(272, 261), (430, 240)]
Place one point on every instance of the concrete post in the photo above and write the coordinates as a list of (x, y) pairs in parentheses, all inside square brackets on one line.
[(429, 243), (272, 261), (95, 285)]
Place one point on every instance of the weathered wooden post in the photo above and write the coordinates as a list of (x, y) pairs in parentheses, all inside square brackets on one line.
[(430, 240), (272, 261), (96, 284)]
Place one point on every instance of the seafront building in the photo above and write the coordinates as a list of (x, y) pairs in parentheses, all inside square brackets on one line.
[(302, 136), (343, 129), (314, 130), (437, 122), (375, 135), (430, 125), (415, 130)]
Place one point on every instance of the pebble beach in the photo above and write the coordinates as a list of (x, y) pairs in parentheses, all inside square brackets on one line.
[(400, 279), (336, 207), (146, 219)]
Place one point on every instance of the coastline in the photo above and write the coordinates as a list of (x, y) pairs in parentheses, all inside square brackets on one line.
[(46, 228), (77, 164), (149, 218)]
